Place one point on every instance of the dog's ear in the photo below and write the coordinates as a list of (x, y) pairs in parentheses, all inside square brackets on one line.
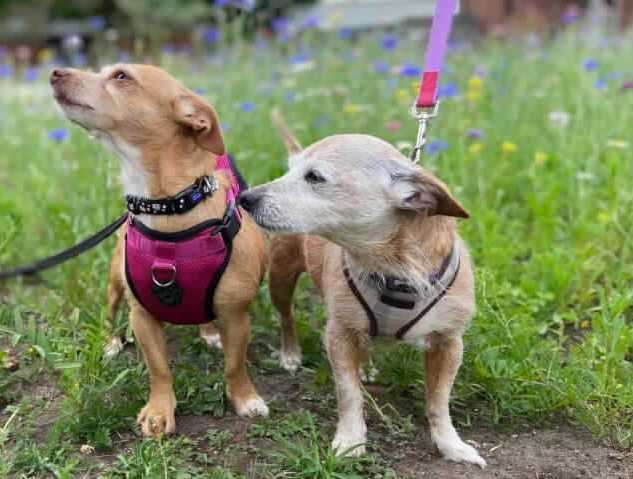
[(420, 191), (201, 121)]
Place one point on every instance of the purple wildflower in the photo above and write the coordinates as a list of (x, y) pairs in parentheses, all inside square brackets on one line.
[(4, 51), (436, 146), (58, 134), (299, 59), (247, 106), (200, 91), (570, 14), (409, 69), (627, 85), (222, 3), (590, 64), (381, 67), (97, 23), (345, 33), (290, 97), (280, 25), (225, 126), (31, 74), (448, 90), (475, 133), (6, 70), (310, 22), (389, 41), (211, 35), (600, 84)]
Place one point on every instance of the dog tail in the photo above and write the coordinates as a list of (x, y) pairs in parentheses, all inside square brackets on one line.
[(292, 144)]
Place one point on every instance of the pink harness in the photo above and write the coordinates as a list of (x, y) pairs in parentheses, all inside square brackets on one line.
[(175, 275)]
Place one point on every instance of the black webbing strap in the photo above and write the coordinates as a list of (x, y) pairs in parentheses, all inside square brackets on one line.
[(67, 254)]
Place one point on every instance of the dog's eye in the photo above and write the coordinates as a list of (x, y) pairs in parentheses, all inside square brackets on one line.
[(313, 177), (121, 75)]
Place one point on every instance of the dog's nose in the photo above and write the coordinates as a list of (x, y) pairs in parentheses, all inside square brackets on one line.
[(249, 200), (57, 74)]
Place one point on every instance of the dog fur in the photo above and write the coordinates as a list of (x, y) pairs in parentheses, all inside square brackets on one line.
[(166, 136), (358, 196)]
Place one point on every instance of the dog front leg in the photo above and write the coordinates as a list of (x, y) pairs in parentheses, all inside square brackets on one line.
[(235, 330), (157, 417), (442, 363), (346, 356)]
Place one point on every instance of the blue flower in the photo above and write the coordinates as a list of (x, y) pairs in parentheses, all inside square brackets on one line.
[(389, 41), (221, 3), (590, 64), (310, 22), (322, 120), (97, 23), (3, 51), (200, 91), (381, 67), (448, 90), (211, 35), (299, 59), (409, 69), (570, 14), (475, 133), (290, 97), (31, 74), (280, 25), (345, 33), (169, 49), (58, 134), (436, 146), (247, 106), (6, 70), (225, 126), (600, 84)]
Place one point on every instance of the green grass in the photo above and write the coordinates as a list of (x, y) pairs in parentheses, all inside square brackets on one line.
[(553, 337)]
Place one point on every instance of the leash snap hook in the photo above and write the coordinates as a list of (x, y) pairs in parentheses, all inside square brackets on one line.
[(423, 116)]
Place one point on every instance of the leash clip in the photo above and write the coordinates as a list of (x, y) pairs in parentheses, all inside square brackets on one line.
[(423, 116)]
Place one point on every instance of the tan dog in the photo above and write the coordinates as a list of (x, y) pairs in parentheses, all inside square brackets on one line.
[(381, 220), (166, 137)]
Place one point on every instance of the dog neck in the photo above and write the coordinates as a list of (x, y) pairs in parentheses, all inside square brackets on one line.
[(416, 249), (156, 172)]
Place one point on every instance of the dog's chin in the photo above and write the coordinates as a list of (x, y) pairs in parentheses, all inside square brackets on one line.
[(278, 228)]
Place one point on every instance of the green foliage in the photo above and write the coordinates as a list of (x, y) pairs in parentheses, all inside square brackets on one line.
[(549, 234)]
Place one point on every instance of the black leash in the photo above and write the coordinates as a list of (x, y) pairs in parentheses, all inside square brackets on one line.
[(67, 254)]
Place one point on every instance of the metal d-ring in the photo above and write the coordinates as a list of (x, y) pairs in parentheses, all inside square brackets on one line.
[(166, 284)]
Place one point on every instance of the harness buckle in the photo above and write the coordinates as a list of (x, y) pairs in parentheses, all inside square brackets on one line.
[(165, 284), (423, 116)]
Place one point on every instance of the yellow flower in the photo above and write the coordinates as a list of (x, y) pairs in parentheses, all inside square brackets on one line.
[(540, 158), (403, 94), (415, 85), (475, 148), (473, 95), (45, 55), (584, 324), (475, 83), (508, 147), (351, 108)]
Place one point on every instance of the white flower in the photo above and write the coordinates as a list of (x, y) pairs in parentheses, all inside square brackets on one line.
[(559, 118)]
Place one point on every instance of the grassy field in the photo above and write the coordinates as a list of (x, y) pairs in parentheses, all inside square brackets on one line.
[(534, 141)]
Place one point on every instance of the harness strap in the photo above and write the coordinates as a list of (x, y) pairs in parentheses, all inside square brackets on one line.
[(67, 254), (435, 53), (436, 280), (373, 323)]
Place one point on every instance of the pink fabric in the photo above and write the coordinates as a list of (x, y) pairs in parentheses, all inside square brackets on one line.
[(196, 263)]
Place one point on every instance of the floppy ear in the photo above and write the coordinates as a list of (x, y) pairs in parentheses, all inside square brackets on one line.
[(421, 191), (201, 120)]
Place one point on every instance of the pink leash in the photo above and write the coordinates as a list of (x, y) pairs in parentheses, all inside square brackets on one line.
[(426, 105)]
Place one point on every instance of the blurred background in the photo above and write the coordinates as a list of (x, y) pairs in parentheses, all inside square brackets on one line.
[(87, 32)]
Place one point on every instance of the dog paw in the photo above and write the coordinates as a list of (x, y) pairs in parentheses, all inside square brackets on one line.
[(252, 407), (157, 418), (213, 341), (351, 445), (459, 451), (290, 360), (113, 347)]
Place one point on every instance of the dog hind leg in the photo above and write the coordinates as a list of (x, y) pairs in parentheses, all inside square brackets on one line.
[(286, 264)]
